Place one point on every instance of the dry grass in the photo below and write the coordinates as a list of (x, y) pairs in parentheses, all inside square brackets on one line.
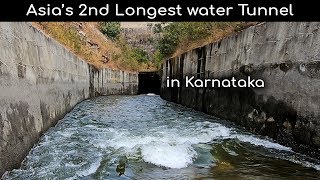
[(86, 41), (216, 36), (91, 45)]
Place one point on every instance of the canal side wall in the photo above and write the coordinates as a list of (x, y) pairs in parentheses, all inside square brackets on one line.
[(40, 81), (286, 55), (109, 81)]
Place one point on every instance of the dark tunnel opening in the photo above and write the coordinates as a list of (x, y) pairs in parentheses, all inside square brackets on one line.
[(149, 82)]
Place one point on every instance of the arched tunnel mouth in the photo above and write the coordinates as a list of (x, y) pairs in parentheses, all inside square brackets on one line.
[(149, 82)]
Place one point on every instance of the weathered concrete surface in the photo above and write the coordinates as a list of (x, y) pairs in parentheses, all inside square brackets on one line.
[(108, 81), (40, 81), (286, 55)]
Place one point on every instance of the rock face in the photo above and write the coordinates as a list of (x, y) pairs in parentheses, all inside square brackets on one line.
[(40, 81), (139, 35), (285, 55)]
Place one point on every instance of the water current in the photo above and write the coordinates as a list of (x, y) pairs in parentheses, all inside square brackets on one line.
[(145, 137)]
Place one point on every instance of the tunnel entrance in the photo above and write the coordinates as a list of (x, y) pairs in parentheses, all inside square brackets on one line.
[(149, 82)]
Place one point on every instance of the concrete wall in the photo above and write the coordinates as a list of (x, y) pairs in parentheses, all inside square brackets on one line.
[(108, 81), (40, 81), (286, 55)]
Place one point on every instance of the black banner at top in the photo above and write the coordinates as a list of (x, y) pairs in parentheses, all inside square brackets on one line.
[(159, 10)]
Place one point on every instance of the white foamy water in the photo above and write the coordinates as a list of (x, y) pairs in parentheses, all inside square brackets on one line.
[(172, 156), (151, 94), (148, 138), (172, 148), (90, 170), (261, 142)]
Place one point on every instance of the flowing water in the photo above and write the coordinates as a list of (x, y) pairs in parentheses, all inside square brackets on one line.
[(145, 137)]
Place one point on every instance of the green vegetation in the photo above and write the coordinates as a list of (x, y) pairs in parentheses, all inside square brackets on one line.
[(131, 57), (135, 58), (111, 29), (178, 37), (140, 55), (66, 35), (174, 38), (157, 59), (176, 33), (170, 39)]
